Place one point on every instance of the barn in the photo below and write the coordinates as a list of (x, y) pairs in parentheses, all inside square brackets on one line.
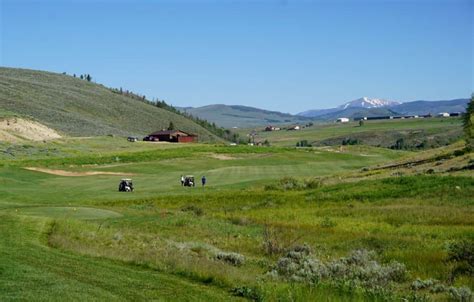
[(173, 136)]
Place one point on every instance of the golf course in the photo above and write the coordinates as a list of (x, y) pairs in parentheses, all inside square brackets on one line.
[(237, 150), (273, 223)]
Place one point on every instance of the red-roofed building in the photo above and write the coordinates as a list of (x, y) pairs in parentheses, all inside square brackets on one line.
[(173, 136)]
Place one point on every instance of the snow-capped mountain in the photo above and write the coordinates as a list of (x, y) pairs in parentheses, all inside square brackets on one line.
[(379, 107), (366, 102)]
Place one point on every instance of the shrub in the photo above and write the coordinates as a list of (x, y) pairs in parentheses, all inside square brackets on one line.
[(234, 259), (359, 268), (461, 253), (271, 241), (419, 284), (461, 294), (297, 265), (289, 183), (247, 292), (312, 183)]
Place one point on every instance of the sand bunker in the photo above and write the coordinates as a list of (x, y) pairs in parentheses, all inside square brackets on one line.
[(72, 173), (222, 156), (17, 129)]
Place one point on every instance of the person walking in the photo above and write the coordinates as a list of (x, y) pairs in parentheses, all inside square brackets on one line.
[(203, 180), (182, 180)]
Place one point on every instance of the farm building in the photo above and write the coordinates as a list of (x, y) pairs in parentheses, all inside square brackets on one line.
[(342, 120), (294, 127), (173, 136), (272, 128), (443, 114)]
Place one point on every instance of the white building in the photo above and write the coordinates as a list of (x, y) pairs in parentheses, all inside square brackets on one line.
[(443, 114), (342, 120)]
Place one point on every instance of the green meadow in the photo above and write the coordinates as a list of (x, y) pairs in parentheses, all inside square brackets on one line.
[(78, 238)]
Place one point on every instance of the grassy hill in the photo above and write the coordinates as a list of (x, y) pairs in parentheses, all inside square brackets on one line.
[(242, 116), (79, 108)]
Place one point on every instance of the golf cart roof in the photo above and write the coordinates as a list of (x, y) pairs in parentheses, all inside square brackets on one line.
[(189, 176), (126, 179)]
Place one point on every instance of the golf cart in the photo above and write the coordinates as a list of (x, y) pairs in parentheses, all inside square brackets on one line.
[(126, 185), (189, 181)]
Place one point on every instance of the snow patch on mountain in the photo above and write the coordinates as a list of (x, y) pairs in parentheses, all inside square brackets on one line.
[(366, 102)]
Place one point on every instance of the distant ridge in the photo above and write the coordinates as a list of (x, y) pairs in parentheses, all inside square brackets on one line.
[(229, 116)]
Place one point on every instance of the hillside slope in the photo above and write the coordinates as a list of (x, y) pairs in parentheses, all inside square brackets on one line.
[(242, 116), (79, 108)]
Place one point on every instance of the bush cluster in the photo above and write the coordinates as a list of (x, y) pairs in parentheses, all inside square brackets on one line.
[(461, 294), (288, 183), (234, 259), (359, 268), (461, 254), (248, 292)]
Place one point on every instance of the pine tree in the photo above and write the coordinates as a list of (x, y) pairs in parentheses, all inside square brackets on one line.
[(88, 77), (171, 126), (468, 124)]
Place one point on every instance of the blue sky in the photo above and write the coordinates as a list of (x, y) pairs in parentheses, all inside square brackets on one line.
[(282, 55)]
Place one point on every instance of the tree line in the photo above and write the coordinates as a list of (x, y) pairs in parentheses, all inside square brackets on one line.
[(85, 76)]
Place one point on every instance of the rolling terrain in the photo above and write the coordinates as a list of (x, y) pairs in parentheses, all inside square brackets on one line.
[(416, 133), (77, 107)]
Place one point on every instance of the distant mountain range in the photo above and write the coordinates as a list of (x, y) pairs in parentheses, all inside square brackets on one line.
[(375, 107), (229, 116)]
